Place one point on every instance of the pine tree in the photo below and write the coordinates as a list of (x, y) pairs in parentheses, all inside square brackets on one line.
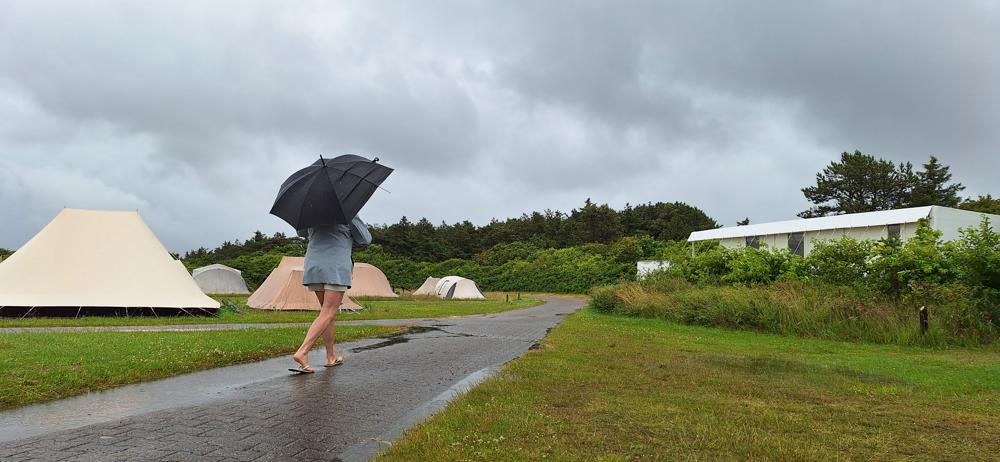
[(932, 188), (859, 183)]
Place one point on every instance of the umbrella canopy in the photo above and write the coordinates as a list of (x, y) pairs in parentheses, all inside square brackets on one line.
[(329, 192)]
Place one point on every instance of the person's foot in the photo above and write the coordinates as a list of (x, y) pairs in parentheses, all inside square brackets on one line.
[(334, 360), (302, 360)]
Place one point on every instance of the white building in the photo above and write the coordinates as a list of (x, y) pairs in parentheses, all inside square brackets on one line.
[(798, 235)]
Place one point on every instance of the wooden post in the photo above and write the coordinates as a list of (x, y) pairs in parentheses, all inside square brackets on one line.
[(507, 298), (923, 320)]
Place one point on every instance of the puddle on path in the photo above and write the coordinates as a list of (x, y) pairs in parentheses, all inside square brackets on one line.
[(396, 339), (403, 337)]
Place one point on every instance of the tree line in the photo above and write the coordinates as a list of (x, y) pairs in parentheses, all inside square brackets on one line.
[(591, 223), (424, 241)]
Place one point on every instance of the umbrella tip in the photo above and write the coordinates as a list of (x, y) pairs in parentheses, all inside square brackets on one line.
[(322, 160), (375, 159)]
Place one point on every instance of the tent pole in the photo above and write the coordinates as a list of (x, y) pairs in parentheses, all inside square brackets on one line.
[(78, 312), (154, 312), (26, 313), (186, 312)]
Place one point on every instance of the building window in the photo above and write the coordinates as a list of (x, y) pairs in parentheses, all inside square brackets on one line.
[(753, 241), (893, 232), (797, 244)]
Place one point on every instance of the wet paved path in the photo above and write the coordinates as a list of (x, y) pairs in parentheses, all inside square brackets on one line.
[(259, 412)]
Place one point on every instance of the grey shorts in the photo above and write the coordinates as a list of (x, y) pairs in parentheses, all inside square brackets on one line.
[(331, 287)]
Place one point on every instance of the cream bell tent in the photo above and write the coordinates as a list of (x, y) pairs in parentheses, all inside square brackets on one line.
[(369, 281), (97, 262), (283, 290), (220, 279), (459, 288), (429, 287)]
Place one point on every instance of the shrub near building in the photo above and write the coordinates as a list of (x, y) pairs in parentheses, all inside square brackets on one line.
[(845, 289)]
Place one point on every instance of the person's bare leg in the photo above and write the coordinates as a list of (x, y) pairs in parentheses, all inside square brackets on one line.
[(332, 357), (328, 336), (327, 314)]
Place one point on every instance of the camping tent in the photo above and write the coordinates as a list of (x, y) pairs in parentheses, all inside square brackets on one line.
[(97, 261), (220, 279), (444, 282), (429, 287), (369, 281), (283, 290), (459, 288)]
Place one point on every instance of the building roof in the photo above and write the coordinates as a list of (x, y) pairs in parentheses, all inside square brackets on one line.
[(851, 220)]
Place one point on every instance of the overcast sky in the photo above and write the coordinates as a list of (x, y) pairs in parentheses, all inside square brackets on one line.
[(195, 112)]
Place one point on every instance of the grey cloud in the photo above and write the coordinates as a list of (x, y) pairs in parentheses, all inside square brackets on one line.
[(195, 111)]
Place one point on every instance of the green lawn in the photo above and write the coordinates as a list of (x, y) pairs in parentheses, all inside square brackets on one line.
[(612, 388), (403, 307), (38, 367)]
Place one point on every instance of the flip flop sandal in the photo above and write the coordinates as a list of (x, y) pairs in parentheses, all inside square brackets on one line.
[(303, 370), (336, 363)]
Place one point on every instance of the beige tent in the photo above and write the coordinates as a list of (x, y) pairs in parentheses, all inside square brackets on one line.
[(444, 283), (97, 259), (220, 279), (283, 290), (429, 287), (461, 289), (369, 281)]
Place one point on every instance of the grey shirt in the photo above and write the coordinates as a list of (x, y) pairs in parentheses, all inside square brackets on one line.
[(328, 255)]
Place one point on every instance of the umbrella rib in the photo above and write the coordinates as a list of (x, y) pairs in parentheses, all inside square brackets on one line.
[(312, 183), (348, 171), (333, 188)]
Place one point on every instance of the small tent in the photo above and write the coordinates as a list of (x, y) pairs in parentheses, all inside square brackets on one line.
[(97, 262), (283, 290), (220, 279), (369, 281), (459, 288), (429, 287), (443, 283)]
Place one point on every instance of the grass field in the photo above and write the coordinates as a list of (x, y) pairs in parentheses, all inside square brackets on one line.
[(613, 388), (403, 307), (39, 367)]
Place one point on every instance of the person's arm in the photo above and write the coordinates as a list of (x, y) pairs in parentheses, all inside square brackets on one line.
[(359, 232)]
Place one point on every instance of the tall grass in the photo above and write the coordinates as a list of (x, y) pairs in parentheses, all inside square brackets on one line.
[(805, 309)]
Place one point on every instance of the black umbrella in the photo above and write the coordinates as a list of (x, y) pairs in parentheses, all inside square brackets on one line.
[(328, 192)]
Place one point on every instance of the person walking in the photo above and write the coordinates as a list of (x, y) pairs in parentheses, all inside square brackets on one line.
[(321, 202), (327, 272)]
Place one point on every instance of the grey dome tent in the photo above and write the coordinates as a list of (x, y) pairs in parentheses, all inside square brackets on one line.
[(220, 279)]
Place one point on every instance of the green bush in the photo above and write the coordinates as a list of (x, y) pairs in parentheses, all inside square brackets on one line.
[(807, 309), (602, 298), (844, 261)]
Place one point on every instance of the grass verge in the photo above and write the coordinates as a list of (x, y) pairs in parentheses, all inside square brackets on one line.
[(36, 367), (610, 388), (401, 308)]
